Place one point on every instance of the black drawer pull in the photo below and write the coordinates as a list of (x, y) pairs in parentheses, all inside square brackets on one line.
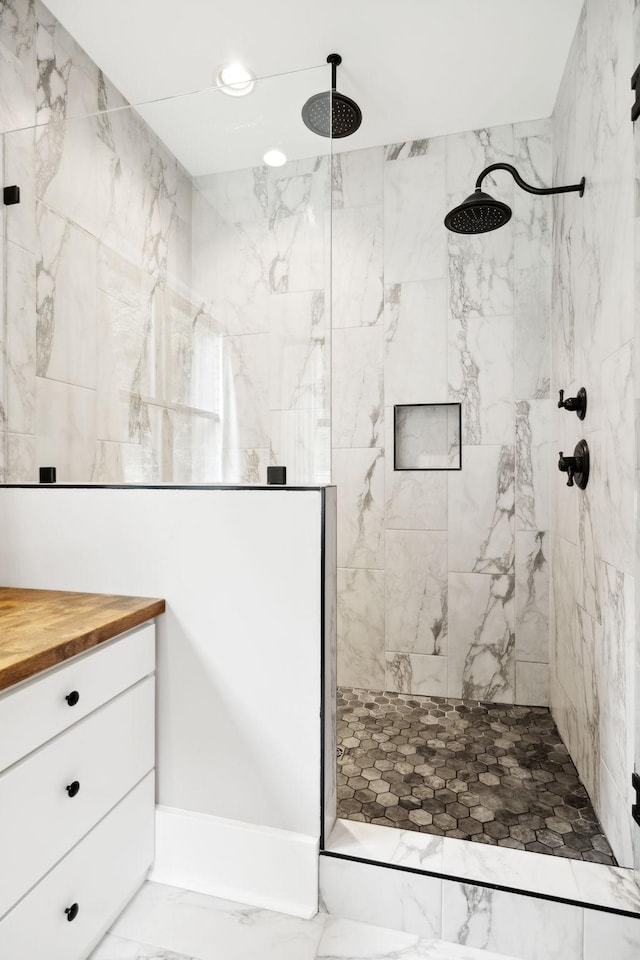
[(72, 698), (72, 911), (73, 788)]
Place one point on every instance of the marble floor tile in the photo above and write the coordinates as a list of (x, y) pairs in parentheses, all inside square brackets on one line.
[(160, 917), (350, 940), (370, 893), (366, 841), (495, 774), (594, 884), (531, 928), (607, 935), (198, 926), (117, 948)]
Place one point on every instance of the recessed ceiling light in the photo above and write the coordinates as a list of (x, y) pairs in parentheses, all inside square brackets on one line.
[(235, 80), (274, 158)]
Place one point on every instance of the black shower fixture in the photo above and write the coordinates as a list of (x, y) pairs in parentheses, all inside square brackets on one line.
[(480, 213), (332, 114), (577, 466), (577, 404)]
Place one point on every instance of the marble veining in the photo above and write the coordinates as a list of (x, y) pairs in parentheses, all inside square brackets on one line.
[(532, 596), (357, 388), (416, 673), (404, 151), (17, 43), (481, 377), (416, 596), (488, 665), (486, 919)]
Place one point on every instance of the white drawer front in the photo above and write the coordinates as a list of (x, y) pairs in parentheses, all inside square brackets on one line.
[(37, 710), (106, 754), (100, 875)]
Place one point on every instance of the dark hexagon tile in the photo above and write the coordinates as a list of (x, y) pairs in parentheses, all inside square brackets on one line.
[(400, 789), (358, 783), (469, 826), (445, 821), (381, 786), (420, 817), (344, 792), (422, 793), (430, 764), (364, 796), (496, 830), (457, 810), (481, 813), (523, 833), (447, 796), (395, 813), (387, 799)]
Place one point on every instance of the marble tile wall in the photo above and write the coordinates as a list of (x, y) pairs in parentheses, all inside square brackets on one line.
[(156, 329), (593, 539), (101, 331), (444, 574), (261, 267)]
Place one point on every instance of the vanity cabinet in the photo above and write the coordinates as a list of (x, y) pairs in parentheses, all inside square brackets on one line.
[(76, 797)]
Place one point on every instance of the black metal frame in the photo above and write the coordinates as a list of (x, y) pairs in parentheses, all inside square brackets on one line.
[(399, 406)]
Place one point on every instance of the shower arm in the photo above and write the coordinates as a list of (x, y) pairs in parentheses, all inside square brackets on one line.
[(579, 187), (335, 60)]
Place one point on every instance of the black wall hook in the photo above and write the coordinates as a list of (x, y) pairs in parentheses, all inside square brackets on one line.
[(577, 404)]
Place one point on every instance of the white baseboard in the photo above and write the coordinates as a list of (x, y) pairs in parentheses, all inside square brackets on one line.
[(260, 866)]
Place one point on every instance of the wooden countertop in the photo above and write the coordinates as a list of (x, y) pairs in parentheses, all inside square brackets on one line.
[(41, 628)]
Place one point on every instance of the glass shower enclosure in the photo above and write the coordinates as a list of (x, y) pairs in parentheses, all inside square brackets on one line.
[(166, 308)]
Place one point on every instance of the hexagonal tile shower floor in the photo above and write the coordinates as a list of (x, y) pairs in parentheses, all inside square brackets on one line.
[(493, 773)]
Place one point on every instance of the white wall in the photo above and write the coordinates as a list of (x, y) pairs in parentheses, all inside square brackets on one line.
[(239, 647)]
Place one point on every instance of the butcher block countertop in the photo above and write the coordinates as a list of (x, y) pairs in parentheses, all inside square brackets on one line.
[(42, 628)]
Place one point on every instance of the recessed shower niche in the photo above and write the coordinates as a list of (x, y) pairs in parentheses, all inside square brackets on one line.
[(426, 436)]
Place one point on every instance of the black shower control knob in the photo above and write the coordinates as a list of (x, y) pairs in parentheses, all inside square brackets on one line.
[(72, 911), (73, 788), (72, 698), (576, 466), (569, 466), (577, 404)]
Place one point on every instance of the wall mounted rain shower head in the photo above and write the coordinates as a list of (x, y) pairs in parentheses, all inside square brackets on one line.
[(480, 213), (332, 114)]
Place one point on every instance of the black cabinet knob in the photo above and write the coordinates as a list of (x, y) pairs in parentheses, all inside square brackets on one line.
[(72, 698), (72, 911), (73, 788)]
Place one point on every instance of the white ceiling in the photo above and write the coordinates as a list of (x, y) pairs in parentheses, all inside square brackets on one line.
[(417, 68)]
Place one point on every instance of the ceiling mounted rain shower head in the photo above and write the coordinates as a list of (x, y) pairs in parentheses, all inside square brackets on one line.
[(332, 114), (480, 213)]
